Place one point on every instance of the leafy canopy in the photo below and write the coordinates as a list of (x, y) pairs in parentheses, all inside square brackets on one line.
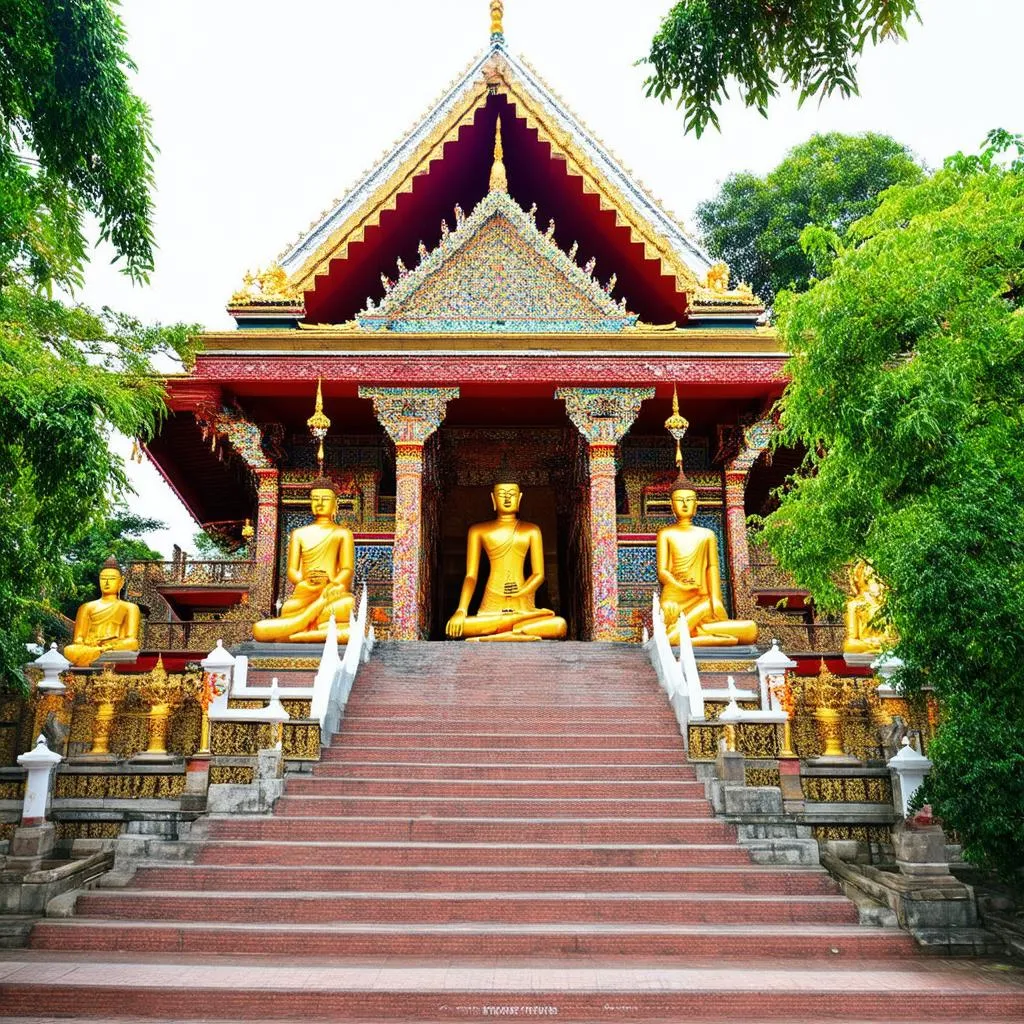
[(754, 224), (67, 377), (907, 389), (74, 141), (809, 45), (119, 534)]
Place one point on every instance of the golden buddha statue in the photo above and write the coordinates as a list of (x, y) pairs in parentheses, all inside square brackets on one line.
[(691, 586), (507, 611), (106, 624), (863, 635), (321, 561)]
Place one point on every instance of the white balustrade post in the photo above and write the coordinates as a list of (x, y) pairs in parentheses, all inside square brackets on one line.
[(276, 714), (910, 769), (220, 665), (53, 664), (39, 763), (771, 674)]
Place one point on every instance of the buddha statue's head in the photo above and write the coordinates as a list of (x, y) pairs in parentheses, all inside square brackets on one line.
[(683, 497), (505, 497), (323, 498), (111, 579)]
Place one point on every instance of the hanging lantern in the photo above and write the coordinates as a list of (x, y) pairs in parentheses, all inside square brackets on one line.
[(676, 426), (319, 424)]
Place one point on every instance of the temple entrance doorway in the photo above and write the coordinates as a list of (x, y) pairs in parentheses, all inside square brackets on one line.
[(544, 462)]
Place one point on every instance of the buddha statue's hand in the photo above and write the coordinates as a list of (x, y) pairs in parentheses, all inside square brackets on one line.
[(455, 623)]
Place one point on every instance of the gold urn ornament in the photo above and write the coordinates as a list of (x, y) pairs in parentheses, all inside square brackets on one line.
[(105, 690)]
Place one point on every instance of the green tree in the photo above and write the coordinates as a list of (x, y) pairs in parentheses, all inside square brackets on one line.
[(119, 534), (808, 45), (74, 141), (907, 389), (829, 181)]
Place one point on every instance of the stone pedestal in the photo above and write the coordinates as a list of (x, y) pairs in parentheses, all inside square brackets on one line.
[(789, 782), (31, 845)]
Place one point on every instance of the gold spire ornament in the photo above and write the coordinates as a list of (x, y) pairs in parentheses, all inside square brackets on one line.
[(497, 13), (676, 426), (319, 424), (499, 178)]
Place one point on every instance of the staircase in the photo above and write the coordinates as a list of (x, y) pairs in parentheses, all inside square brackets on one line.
[(499, 830)]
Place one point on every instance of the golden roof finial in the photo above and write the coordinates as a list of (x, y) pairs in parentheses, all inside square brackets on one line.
[(499, 179), (497, 12)]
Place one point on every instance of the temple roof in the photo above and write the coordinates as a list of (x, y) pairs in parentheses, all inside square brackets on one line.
[(553, 160)]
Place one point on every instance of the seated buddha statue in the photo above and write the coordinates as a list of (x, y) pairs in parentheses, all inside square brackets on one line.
[(321, 561), (691, 585), (863, 634), (106, 624), (507, 610)]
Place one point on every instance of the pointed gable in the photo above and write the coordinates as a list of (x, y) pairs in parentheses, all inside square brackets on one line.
[(553, 160), (497, 273)]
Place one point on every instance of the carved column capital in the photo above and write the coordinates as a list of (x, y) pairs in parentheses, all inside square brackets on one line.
[(603, 415), (409, 415)]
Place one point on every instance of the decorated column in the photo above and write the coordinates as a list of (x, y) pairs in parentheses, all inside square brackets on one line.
[(237, 435), (261, 595), (410, 416), (602, 416), (755, 440)]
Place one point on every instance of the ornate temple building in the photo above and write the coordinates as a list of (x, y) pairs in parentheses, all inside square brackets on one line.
[(497, 291)]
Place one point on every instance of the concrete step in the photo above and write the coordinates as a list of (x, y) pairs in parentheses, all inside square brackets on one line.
[(835, 943), (506, 789), (487, 722), (499, 740), (436, 907), (731, 880), (241, 852), (513, 772), (474, 830), (510, 754), (487, 807), (587, 991)]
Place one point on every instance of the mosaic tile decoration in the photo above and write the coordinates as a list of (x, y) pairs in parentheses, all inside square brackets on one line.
[(657, 453), (496, 273)]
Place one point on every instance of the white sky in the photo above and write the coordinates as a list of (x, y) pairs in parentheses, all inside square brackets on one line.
[(265, 113)]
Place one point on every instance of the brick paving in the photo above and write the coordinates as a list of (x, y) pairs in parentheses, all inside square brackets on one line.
[(497, 832)]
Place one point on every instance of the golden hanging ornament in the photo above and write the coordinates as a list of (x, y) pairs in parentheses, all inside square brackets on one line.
[(319, 424)]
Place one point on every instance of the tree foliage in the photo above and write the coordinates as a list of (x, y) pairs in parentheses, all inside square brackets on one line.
[(907, 389), (68, 376), (808, 45), (120, 533), (754, 223), (74, 141)]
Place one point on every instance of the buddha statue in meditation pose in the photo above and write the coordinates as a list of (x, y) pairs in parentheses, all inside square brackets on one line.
[(321, 561), (507, 611), (691, 586), (863, 634), (106, 624)]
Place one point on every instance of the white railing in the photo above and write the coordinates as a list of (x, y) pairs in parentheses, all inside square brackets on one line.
[(333, 682), (678, 676)]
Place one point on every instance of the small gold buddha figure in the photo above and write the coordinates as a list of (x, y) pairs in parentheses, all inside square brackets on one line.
[(691, 584), (106, 624), (863, 634), (321, 562), (507, 610)]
